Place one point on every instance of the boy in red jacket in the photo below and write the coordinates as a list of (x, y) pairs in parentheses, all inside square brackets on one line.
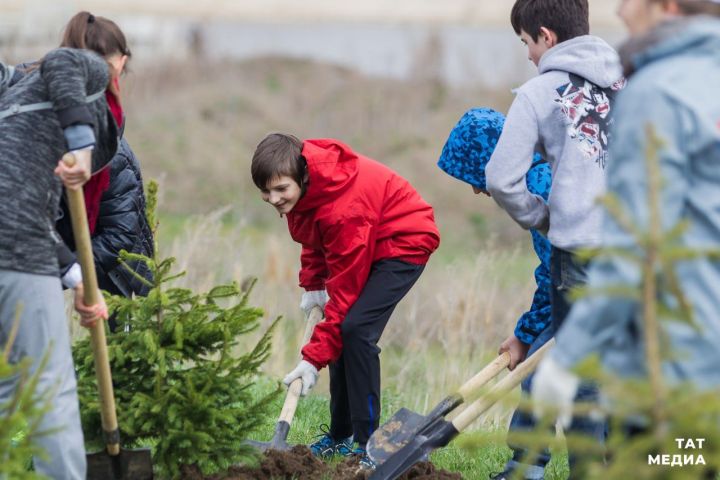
[(366, 236)]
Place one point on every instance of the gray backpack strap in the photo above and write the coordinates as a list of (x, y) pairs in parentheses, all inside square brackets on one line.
[(94, 96), (16, 109)]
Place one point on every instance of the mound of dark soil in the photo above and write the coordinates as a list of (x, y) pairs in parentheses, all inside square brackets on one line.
[(350, 469), (300, 464)]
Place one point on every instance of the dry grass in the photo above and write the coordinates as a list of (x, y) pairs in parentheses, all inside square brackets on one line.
[(196, 126)]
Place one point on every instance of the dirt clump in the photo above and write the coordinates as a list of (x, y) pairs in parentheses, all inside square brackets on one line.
[(300, 464), (297, 463)]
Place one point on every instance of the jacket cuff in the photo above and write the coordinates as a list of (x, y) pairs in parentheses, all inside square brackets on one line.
[(79, 137), (66, 258), (313, 362), (73, 115), (524, 335)]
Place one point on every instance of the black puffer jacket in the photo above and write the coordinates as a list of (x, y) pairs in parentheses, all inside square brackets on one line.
[(121, 224)]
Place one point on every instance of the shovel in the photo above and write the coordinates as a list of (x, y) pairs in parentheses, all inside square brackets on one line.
[(441, 432), (115, 463), (404, 425), (282, 427)]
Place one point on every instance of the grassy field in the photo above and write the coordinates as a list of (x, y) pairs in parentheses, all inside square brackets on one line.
[(462, 455)]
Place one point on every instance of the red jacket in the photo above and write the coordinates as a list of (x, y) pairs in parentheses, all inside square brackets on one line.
[(355, 212)]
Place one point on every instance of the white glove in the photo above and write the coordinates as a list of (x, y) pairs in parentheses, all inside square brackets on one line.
[(305, 371), (553, 389), (314, 298), (72, 277)]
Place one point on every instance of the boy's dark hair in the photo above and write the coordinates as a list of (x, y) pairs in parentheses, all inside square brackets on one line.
[(277, 155), (567, 18)]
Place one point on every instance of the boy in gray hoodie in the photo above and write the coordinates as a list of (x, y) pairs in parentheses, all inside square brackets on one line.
[(564, 114)]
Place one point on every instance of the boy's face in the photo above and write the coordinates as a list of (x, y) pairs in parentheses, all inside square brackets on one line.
[(536, 49), (640, 16), (282, 193)]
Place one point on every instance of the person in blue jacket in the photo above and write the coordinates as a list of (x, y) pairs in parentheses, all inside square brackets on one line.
[(465, 155), (671, 61)]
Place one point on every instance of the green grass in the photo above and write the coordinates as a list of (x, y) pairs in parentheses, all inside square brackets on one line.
[(475, 456)]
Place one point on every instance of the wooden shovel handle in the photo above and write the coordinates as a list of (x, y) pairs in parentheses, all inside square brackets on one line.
[(510, 381), (91, 296), (293, 395), (490, 371)]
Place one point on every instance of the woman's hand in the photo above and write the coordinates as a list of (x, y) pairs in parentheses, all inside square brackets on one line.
[(74, 177), (89, 315)]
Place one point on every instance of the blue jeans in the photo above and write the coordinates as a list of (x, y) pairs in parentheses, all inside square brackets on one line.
[(566, 273)]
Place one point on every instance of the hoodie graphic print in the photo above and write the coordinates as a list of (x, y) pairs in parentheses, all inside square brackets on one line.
[(587, 110)]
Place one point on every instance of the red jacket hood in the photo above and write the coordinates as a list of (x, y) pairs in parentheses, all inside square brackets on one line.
[(332, 168)]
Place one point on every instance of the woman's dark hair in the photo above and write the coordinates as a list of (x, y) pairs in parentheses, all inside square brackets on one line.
[(277, 155), (99, 34), (567, 18)]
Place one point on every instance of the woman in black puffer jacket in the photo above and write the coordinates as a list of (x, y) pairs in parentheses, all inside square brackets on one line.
[(115, 198), (121, 224)]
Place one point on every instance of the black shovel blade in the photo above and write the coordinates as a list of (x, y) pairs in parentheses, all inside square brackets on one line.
[(127, 465), (279, 440), (394, 434), (403, 426), (436, 436)]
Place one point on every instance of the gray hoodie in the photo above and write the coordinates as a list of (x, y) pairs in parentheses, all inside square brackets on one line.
[(564, 114)]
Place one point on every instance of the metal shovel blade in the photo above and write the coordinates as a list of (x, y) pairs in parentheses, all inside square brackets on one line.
[(439, 434), (404, 425), (278, 442), (396, 433), (128, 465)]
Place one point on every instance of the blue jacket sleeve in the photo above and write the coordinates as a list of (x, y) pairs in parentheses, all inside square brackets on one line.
[(534, 321)]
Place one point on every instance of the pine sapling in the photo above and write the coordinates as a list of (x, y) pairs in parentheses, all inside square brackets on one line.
[(21, 415), (183, 382)]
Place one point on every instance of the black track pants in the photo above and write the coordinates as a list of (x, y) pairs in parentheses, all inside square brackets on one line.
[(355, 376)]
